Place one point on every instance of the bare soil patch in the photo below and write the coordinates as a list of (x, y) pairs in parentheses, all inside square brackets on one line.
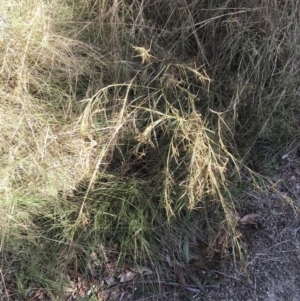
[(273, 262), (274, 256)]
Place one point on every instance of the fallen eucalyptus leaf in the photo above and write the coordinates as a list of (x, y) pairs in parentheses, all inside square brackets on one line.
[(249, 218), (127, 276)]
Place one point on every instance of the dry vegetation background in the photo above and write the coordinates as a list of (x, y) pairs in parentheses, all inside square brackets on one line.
[(135, 126)]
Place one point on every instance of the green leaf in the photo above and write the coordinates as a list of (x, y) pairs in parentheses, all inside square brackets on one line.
[(186, 250), (197, 282), (189, 297), (274, 212), (198, 264), (216, 282)]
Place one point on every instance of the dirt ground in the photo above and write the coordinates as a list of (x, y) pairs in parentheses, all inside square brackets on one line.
[(273, 261)]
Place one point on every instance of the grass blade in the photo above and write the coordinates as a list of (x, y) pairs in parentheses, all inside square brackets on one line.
[(197, 282), (186, 250)]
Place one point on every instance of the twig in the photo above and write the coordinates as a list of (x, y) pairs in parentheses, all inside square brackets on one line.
[(240, 281), (191, 287)]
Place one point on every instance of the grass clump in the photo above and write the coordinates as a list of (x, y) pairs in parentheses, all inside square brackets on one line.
[(122, 119)]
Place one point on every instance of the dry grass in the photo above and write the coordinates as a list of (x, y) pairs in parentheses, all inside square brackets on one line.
[(121, 117)]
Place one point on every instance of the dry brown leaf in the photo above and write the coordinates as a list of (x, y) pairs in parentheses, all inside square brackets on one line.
[(232, 215), (127, 276), (80, 289), (37, 296), (169, 260), (110, 267), (249, 218), (146, 271), (110, 280), (104, 295), (220, 243), (73, 273), (94, 256), (142, 270), (81, 292), (249, 281), (223, 240), (180, 275), (92, 270)]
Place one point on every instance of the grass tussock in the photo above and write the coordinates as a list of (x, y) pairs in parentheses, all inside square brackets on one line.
[(121, 120)]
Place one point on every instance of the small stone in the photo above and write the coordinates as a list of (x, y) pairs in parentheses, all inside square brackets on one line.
[(266, 274), (249, 281)]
